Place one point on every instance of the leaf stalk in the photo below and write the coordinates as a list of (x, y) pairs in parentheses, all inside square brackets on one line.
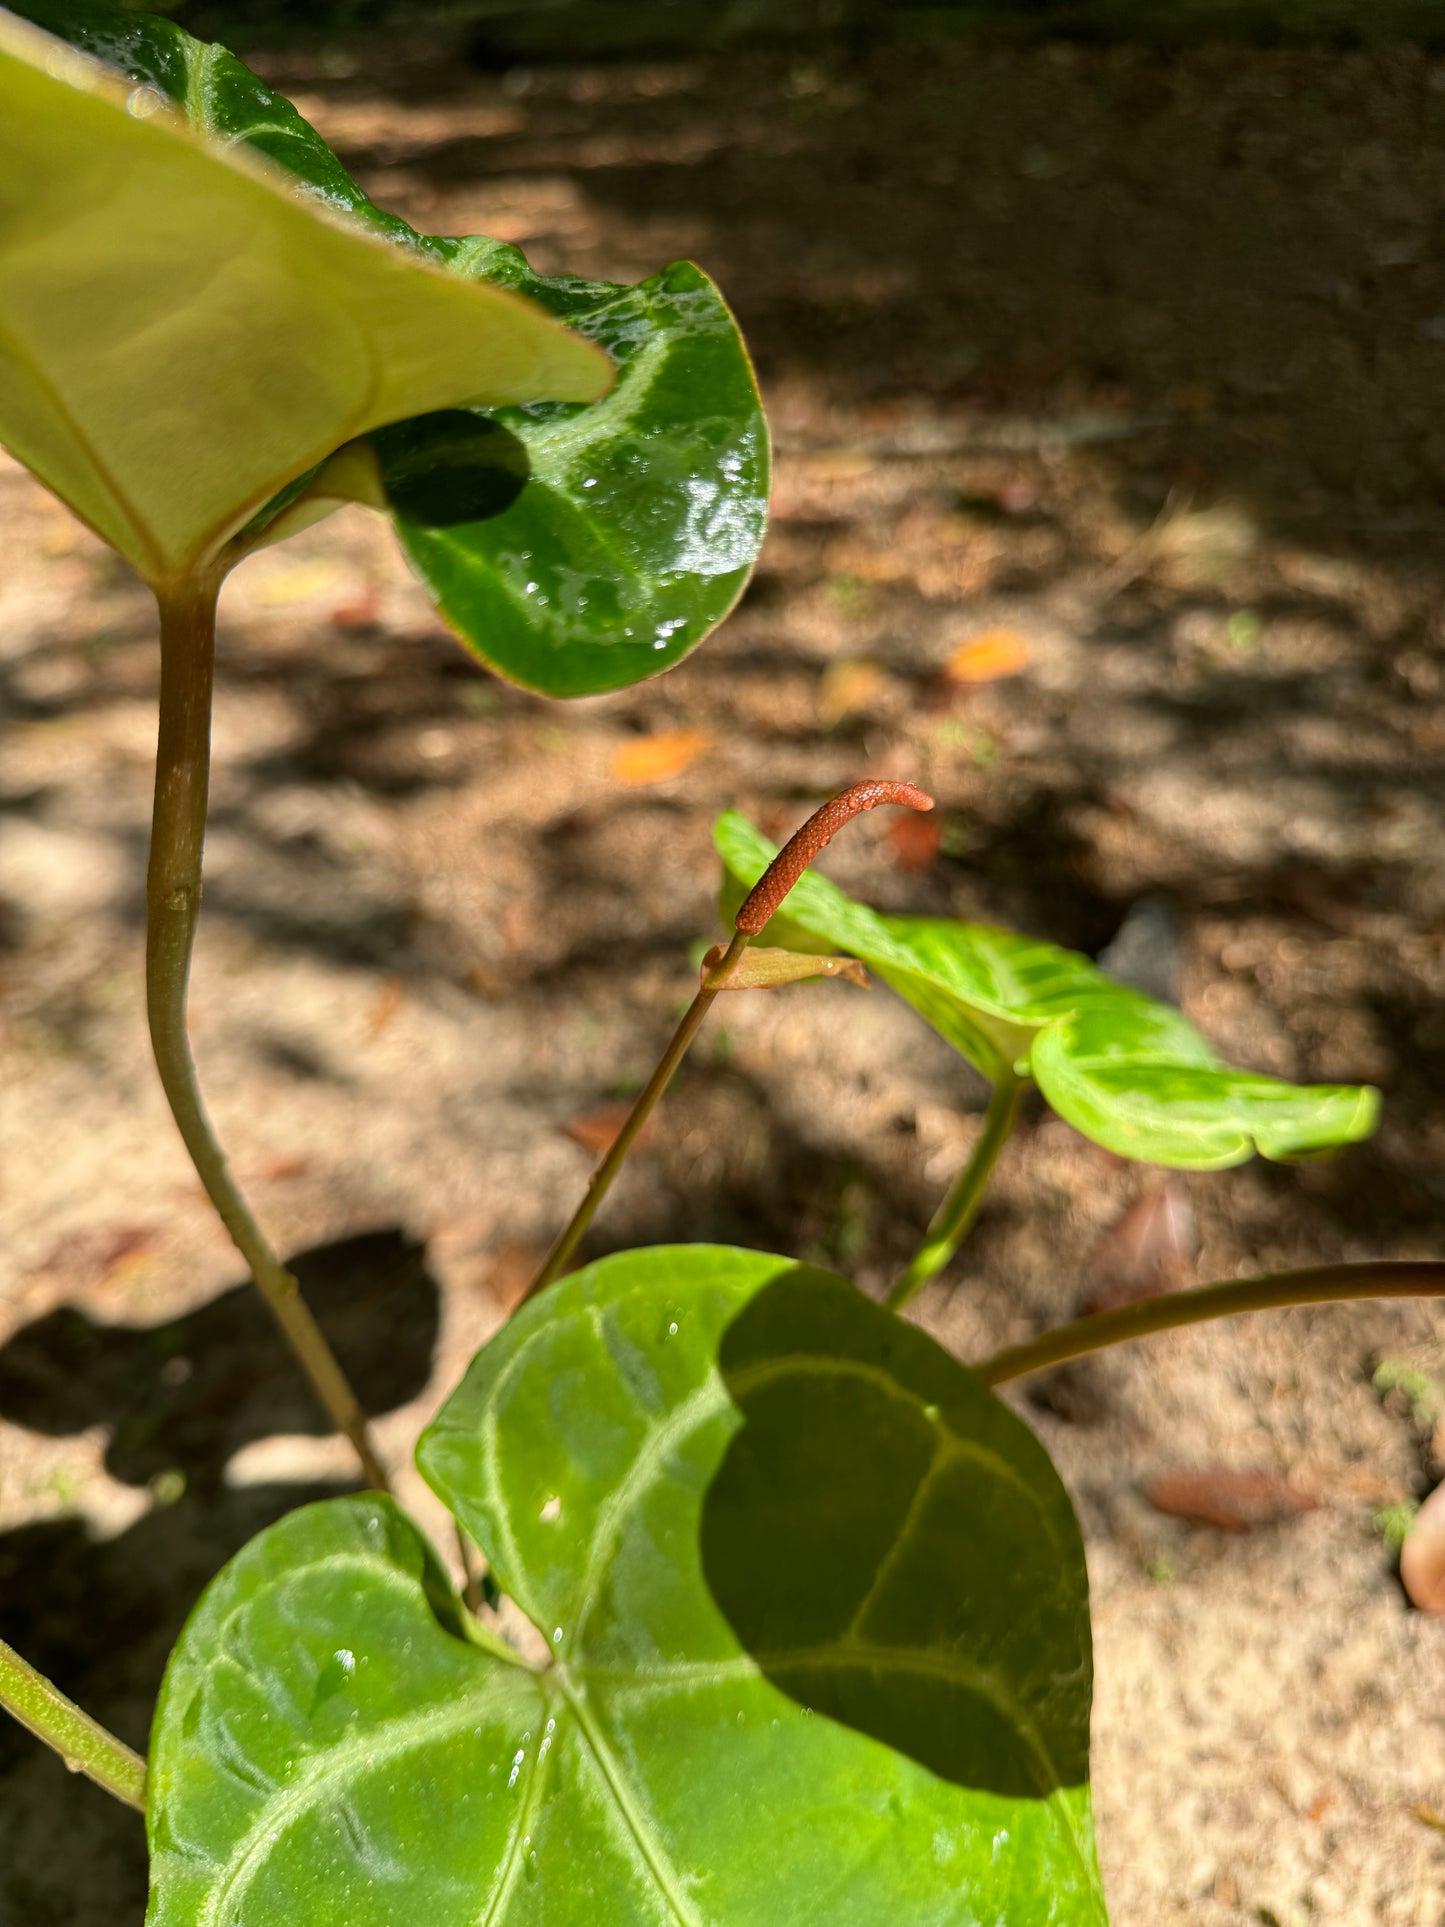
[(84, 1745), (760, 905), (954, 1217), (1314, 1285), (600, 1182), (173, 899)]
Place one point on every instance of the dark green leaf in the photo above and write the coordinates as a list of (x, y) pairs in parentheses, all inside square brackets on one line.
[(1128, 1072), (638, 518), (575, 547), (819, 1623)]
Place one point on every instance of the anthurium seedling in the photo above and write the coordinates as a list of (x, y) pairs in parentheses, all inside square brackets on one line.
[(809, 1634), (1127, 1071), (210, 337), (854, 1687)]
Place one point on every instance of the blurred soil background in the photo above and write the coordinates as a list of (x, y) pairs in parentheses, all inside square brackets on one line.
[(1106, 382)]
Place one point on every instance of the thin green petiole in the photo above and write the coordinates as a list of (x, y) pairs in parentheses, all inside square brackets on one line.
[(1316, 1285), (84, 1745), (173, 898), (601, 1180), (955, 1216)]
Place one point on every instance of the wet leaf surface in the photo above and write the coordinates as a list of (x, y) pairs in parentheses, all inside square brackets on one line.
[(818, 1619)]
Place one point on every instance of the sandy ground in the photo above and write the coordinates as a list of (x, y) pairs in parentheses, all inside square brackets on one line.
[(1137, 361)]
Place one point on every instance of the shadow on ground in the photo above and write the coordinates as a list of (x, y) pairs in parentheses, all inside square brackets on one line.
[(100, 1618)]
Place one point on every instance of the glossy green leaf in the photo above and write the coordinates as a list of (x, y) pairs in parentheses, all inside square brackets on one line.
[(818, 1617), (1130, 1073), (327, 1750), (635, 522), (819, 1598), (574, 548), (181, 334)]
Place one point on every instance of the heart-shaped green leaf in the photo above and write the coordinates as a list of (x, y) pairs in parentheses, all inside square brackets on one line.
[(181, 334), (818, 1617), (1128, 1072), (574, 548)]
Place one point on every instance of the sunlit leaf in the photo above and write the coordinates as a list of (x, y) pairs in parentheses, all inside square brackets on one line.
[(1130, 1073), (817, 1614), (180, 333), (573, 548)]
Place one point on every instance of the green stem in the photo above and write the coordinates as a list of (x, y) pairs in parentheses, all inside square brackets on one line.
[(1316, 1285), (84, 1745), (956, 1214), (612, 1163), (173, 896)]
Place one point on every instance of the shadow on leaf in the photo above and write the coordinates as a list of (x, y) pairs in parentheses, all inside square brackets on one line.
[(892, 1546)]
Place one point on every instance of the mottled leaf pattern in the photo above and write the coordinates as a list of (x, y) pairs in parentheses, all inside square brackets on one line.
[(818, 1618), (1130, 1073)]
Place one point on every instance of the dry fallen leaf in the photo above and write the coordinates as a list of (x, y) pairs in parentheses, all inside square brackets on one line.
[(1228, 1501), (1144, 1253), (1422, 1557), (916, 841), (84, 1259), (511, 1271), (597, 1131), (359, 611), (988, 657), (653, 759), (282, 1170), (848, 687), (389, 1001)]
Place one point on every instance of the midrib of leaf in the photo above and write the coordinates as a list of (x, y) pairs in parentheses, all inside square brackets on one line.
[(41, 380), (550, 448), (199, 98), (556, 440), (706, 1402), (639, 1823)]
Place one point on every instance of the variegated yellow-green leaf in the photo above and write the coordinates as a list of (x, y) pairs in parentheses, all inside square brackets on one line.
[(181, 334), (1130, 1073)]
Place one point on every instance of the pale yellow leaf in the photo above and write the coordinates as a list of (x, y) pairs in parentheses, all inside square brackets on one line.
[(181, 332)]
